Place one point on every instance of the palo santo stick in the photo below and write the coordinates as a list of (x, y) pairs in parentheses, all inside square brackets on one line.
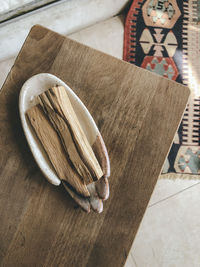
[(58, 99), (54, 149), (65, 136)]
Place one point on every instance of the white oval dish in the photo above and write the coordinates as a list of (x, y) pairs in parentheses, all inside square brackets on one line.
[(27, 99)]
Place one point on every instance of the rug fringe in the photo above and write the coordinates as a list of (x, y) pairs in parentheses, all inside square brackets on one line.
[(174, 176)]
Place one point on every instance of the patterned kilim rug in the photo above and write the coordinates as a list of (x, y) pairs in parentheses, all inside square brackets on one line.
[(163, 36)]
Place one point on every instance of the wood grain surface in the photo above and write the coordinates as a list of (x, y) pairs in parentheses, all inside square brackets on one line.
[(137, 113)]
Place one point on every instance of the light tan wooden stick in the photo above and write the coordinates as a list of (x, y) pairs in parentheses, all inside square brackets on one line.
[(58, 108), (65, 136), (54, 149)]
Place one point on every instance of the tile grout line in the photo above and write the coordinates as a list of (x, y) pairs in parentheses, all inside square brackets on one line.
[(133, 258), (172, 195)]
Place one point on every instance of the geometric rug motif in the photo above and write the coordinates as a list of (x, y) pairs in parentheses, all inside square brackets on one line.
[(163, 36)]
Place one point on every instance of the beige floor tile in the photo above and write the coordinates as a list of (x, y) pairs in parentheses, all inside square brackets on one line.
[(5, 67), (130, 262), (166, 188), (106, 36), (66, 17), (169, 234)]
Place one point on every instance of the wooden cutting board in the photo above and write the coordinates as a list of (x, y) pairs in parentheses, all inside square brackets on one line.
[(137, 113)]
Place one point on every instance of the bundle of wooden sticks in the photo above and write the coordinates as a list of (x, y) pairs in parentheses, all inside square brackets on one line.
[(59, 130)]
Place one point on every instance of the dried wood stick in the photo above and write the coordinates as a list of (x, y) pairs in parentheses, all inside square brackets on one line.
[(95, 202), (54, 149), (57, 99), (83, 202), (63, 131), (102, 188)]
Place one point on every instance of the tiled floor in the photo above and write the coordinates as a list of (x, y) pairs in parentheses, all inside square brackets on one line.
[(8, 5), (64, 17), (169, 234)]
